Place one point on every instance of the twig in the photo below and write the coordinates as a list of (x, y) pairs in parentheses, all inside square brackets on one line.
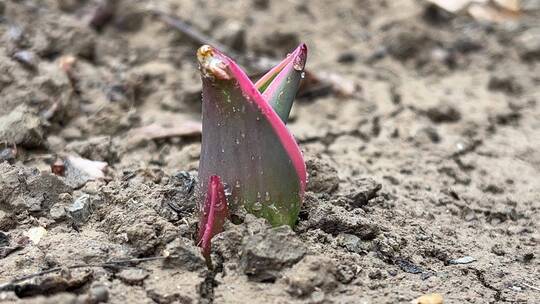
[(11, 284), (317, 85), (530, 286), (259, 65), (192, 32)]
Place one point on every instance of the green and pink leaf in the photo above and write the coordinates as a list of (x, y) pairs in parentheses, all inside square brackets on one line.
[(214, 212), (246, 143), (280, 85)]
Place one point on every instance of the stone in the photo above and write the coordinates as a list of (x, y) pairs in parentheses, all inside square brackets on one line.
[(443, 113), (58, 210), (80, 210), (44, 189), (335, 220), (180, 253), (27, 189), (462, 260), (132, 276), (7, 221), (35, 234), (323, 178), (142, 237), (4, 239), (68, 248), (226, 244), (23, 127), (361, 191), (166, 286), (352, 243), (265, 254), (255, 225), (55, 283), (311, 274), (58, 213), (97, 294), (78, 170), (8, 154), (26, 58)]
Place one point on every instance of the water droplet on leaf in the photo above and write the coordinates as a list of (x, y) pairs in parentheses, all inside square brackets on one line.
[(227, 189)]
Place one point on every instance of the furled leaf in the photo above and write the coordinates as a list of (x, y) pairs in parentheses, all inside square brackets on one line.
[(246, 143), (213, 213), (280, 84)]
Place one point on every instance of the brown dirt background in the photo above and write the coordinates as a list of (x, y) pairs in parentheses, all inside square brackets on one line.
[(435, 157)]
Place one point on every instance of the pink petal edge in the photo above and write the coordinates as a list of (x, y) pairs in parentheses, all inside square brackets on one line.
[(215, 193), (286, 138), (288, 63)]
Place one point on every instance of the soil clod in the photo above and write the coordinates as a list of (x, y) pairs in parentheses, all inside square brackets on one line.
[(265, 254), (23, 127)]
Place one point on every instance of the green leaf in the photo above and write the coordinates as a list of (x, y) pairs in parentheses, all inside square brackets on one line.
[(280, 84), (247, 145)]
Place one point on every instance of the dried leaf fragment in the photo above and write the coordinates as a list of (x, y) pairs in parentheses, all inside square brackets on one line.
[(432, 298)]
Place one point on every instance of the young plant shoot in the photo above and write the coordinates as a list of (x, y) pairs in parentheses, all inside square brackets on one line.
[(214, 214), (245, 143)]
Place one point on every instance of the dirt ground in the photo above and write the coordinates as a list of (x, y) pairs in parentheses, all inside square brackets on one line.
[(426, 179)]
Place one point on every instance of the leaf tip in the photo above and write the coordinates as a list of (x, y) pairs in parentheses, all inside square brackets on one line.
[(212, 63), (300, 57)]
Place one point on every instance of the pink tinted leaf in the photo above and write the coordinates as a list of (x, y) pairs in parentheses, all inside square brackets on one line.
[(246, 143), (213, 213), (280, 84)]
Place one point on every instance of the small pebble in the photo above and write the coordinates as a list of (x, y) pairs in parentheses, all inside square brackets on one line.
[(58, 167), (346, 58), (463, 260), (35, 234), (80, 210), (26, 58), (98, 294), (8, 154), (4, 239), (58, 213), (432, 298), (132, 276), (15, 34)]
